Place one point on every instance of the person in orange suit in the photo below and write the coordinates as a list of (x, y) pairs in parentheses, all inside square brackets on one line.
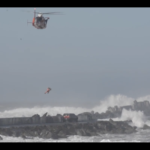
[(48, 90)]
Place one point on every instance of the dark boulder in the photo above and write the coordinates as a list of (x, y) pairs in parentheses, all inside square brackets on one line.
[(1, 138), (86, 116), (43, 118), (35, 119), (145, 127)]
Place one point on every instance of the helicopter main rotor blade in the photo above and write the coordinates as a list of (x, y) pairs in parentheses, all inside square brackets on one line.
[(27, 11), (50, 13)]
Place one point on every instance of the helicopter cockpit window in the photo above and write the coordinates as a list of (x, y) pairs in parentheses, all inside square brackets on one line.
[(38, 19)]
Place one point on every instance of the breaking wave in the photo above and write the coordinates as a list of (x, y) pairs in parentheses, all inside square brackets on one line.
[(138, 118), (111, 101), (119, 100)]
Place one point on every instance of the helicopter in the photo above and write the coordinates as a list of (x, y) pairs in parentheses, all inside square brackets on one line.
[(40, 22)]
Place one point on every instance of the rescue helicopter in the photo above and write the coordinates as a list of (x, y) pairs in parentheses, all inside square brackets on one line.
[(40, 22)]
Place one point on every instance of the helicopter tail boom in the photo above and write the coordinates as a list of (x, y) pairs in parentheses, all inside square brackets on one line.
[(28, 22)]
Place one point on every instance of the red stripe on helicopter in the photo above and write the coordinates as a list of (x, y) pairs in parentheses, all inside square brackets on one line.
[(33, 21)]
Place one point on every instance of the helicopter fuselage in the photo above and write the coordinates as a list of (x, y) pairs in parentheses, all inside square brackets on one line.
[(40, 22)]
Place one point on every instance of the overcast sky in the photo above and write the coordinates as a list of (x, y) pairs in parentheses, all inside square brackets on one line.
[(84, 55)]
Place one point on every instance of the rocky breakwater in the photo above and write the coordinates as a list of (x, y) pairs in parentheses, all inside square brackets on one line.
[(35, 119), (67, 129)]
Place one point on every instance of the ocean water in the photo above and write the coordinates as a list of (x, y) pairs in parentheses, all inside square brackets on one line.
[(137, 117)]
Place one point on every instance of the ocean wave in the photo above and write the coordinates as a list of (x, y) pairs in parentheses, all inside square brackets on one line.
[(110, 101)]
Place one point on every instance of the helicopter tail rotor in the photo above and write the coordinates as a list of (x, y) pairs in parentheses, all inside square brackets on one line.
[(28, 22)]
